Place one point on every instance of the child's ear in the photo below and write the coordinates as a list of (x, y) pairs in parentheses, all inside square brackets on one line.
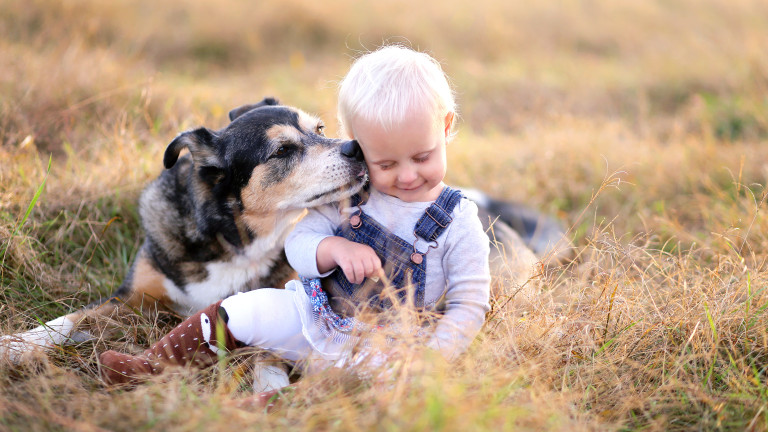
[(449, 123)]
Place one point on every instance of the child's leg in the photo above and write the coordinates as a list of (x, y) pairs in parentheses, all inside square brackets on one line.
[(267, 318), (194, 341)]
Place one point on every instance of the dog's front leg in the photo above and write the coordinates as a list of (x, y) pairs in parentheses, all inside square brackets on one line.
[(61, 331)]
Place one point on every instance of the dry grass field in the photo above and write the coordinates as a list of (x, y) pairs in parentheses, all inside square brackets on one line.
[(643, 126)]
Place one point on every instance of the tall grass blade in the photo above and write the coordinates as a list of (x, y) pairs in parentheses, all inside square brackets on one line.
[(31, 206)]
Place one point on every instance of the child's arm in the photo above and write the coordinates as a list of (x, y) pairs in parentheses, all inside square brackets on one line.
[(313, 250), (466, 268), (301, 244)]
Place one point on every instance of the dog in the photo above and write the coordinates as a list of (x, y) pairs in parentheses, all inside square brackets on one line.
[(215, 220)]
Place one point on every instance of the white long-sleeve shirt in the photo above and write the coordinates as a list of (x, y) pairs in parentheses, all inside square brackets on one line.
[(458, 267)]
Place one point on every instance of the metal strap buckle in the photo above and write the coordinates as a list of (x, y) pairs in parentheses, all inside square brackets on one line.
[(450, 219)]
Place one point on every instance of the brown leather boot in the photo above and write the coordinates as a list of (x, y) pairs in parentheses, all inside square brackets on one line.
[(193, 342)]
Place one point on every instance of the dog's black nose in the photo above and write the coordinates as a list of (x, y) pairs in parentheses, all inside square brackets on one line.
[(351, 149)]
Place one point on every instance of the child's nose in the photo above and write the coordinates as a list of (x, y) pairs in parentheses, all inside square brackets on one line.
[(406, 175)]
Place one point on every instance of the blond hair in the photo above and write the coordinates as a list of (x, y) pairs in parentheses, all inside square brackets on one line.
[(386, 85)]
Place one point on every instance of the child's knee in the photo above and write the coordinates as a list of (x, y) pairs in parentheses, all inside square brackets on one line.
[(256, 316)]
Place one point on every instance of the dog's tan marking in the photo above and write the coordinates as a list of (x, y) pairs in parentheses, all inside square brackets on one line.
[(147, 284), (260, 207), (283, 132), (308, 122)]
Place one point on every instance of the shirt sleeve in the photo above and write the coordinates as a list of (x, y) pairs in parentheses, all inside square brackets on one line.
[(465, 265), (301, 243)]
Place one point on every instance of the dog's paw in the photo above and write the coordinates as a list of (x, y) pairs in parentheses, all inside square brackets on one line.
[(19, 347)]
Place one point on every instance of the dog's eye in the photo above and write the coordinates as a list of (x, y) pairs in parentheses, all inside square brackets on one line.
[(281, 151), (320, 130)]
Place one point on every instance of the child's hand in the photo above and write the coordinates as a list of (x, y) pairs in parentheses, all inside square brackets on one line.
[(357, 261)]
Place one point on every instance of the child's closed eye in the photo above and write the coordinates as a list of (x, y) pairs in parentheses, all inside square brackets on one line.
[(421, 158)]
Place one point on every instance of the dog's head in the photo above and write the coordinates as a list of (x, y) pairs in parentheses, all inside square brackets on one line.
[(269, 160)]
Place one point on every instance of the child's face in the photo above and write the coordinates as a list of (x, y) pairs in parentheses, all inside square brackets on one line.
[(407, 162)]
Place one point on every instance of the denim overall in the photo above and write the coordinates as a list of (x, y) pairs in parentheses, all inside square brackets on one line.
[(335, 299)]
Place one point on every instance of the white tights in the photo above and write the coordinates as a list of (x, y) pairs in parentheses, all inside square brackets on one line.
[(267, 318)]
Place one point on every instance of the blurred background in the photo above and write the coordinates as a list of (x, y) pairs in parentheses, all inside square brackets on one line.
[(78, 76), (677, 64), (511, 62)]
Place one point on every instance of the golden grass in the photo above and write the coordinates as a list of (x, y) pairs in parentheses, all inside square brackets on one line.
[(642, 125)]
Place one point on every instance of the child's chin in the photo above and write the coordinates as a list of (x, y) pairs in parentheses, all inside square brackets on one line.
[(413, 195)]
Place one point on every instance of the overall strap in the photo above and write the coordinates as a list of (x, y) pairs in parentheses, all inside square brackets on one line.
[(437, 217)]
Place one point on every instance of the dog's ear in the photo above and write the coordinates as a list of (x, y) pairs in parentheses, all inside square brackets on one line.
[(200, 142), (237, 112)]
